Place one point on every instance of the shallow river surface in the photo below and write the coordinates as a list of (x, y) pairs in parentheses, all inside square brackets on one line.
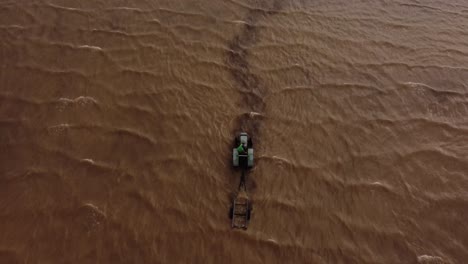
[(117, 121)]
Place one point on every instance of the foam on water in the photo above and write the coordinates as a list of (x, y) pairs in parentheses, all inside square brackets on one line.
[(58, 129), (96, 48), (80, 101), (426, 259)]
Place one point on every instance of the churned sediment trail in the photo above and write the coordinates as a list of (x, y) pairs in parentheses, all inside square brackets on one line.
[(249, 85)]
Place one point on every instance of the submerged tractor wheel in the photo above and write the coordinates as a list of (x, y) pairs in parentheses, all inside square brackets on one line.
[(235, 158), (250, 160)]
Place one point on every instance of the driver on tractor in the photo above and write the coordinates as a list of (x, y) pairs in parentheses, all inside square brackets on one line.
[(241, 149)]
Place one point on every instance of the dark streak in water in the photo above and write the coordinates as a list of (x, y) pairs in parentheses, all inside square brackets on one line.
[(248, 84)]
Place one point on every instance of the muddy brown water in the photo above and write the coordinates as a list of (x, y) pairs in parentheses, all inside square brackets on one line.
[(117, 120)]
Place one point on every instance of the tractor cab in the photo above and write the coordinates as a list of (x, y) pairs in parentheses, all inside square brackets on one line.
[(242, 152)]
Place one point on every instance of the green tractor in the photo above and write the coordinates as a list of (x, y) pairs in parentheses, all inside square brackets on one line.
[(242, 153)]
